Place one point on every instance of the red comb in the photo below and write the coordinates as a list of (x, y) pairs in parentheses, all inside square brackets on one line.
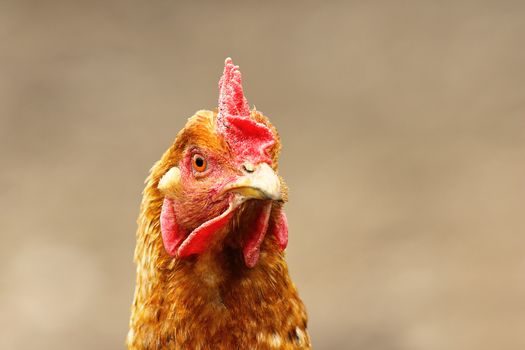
[(248, 139), (231, 96)]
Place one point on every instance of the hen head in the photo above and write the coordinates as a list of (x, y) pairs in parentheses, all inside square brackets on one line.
[(218, 182)]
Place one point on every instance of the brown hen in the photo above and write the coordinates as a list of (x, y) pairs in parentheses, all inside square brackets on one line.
[(211, 272)]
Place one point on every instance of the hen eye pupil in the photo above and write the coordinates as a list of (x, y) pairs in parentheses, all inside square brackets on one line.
[(199, 162)]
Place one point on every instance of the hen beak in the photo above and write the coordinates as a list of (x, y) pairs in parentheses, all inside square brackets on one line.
[(260, 182)]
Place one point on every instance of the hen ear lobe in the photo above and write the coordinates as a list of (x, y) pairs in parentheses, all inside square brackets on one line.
[(170, 184)]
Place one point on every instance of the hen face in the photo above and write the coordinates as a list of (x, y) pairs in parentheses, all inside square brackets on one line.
[(209, 186), (225, 169)]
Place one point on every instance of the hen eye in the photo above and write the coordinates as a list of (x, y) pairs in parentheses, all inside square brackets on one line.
[(199, 163)]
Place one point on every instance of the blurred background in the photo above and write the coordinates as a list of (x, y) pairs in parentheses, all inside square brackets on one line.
[(403, 128)]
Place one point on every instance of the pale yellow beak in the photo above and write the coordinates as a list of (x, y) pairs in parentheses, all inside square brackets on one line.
[(260, 182)]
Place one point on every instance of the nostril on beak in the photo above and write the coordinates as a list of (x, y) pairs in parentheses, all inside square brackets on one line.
[(248, 167)]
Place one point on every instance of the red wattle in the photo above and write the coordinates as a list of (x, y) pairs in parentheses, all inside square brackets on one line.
[(176, 244), (172, 236), (252, 248), (199, 239), (280, 230)]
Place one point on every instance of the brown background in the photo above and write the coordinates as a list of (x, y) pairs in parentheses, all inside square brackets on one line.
[(403, 126)]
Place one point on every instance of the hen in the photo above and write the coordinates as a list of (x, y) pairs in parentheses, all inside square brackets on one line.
[(211, 272)]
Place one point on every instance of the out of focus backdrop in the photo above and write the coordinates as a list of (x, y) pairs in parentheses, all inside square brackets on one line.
[(403, 128)]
